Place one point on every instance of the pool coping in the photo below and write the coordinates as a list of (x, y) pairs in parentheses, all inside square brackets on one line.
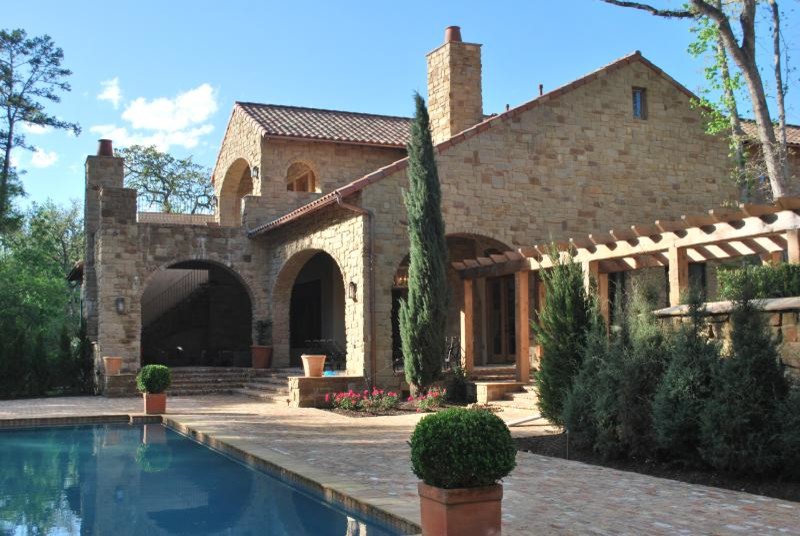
[(342, 499)]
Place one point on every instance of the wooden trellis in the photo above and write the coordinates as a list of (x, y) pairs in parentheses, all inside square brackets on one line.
[(724, 233)]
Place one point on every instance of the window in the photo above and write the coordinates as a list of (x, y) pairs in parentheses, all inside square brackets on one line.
[(300, 178), (639, 103)]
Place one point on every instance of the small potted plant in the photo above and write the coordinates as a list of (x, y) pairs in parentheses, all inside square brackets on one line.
[(460, 455), (153, 380), (261, 352)]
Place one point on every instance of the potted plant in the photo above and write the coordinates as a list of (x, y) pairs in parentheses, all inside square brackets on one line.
[(313, 365), (153, 380), (460, 455), (261, 352)]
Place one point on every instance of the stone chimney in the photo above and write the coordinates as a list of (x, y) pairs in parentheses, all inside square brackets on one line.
[(455, 102)]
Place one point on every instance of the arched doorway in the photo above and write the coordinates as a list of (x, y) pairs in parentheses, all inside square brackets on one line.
[(236, 184), (196, 313), (317, 311)]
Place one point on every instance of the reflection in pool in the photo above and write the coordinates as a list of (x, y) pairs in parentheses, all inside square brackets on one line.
[(130, 480)]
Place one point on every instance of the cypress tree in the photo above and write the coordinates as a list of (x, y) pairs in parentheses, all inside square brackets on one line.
[(423, 313)]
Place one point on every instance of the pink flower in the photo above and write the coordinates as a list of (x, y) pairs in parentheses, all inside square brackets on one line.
[(327, 397), (410, 398)]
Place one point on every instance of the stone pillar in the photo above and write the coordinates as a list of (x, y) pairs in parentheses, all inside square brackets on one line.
[(455, 102), (467, 329), (678, 274), (521, 280)]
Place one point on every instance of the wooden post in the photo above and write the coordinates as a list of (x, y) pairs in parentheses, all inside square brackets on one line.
[(591, 272), (467, 329), (793, 245), (678, 274), (523, 327)]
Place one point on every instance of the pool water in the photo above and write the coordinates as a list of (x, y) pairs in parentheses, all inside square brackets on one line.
[(131, 480)]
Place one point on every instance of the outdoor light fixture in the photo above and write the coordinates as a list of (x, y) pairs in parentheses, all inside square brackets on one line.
[(120, 305), (352, 291), (254, 172)]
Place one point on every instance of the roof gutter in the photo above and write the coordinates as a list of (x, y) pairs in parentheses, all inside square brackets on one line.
[(369, 248)]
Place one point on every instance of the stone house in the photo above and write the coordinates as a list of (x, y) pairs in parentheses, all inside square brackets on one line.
[(309, 229)]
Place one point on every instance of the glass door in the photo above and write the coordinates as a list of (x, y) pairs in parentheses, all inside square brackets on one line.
[(501, 315)]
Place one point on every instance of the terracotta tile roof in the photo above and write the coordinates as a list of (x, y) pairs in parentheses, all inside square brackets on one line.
[(792, 132), (328, 125)]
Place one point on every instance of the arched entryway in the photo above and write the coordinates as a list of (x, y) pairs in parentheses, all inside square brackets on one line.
[(309, 302), (236, 184), (494, 298), (196, 313)]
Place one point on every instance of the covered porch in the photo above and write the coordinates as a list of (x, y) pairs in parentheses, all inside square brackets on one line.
[(767, 231)]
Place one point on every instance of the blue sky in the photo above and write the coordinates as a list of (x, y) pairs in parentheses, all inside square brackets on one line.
[(169, 72)]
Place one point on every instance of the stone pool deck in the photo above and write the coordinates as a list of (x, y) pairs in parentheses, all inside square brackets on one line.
[(368, 459)]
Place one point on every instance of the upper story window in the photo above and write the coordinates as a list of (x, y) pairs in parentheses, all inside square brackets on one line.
[(639, 103), (301, 178)]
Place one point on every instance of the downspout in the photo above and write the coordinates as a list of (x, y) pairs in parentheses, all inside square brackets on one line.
[(373, 358)]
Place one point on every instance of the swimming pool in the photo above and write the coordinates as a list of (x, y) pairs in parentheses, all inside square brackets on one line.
[(130, 480)]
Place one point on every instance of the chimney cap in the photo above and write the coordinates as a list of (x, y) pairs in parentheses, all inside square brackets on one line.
[(452, 33), (105, 148)]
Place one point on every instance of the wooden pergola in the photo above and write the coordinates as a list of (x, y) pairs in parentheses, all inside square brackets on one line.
[(723, 233)]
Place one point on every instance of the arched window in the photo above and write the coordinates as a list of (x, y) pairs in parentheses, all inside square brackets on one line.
[(301, 178)]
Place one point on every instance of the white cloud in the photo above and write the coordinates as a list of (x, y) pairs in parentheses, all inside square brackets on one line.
[(30, 128), (43, 159), (164, 122), (186, 109), (111, 92)]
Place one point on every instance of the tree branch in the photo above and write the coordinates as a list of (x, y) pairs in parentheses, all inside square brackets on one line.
[(668, 13)]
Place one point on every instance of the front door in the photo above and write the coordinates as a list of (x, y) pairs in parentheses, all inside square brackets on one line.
[(501, 314)]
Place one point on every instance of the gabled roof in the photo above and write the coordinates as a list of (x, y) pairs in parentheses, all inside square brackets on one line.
[(295, 122), (792, 132), (486, 124)]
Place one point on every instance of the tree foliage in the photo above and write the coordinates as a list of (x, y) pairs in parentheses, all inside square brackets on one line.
[(31, 75), (165, 183), (423, 314), (561, 332), (737, 42)]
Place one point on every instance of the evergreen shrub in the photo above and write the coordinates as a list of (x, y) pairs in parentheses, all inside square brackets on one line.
[(153, 379), (763, 281)]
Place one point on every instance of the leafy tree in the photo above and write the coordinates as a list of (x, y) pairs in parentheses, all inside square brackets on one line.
[(685, 388), (30, 74), (423, 314), (563, 325), (166, 183), (740, 425), (741, 49)]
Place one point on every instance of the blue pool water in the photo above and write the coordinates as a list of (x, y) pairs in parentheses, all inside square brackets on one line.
[(130, 480)]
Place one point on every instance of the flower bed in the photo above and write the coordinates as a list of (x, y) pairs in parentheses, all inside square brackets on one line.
[(379, 402)]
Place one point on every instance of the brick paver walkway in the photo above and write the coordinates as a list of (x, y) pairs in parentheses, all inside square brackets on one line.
[(368, 458)]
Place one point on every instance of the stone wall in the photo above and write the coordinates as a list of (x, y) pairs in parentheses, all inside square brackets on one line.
[(569, 166)]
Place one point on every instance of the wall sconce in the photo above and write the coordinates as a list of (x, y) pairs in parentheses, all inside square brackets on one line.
[(254, 173), (352, 291), (119, 303)]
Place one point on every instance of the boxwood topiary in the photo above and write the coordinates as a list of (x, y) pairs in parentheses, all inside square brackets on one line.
[(153, 379), (461, 448)]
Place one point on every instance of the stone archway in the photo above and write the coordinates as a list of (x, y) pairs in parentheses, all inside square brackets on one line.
[(309, 303), (196, 313), (236, 184)]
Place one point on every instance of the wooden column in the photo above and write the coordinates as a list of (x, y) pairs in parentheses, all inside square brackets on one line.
[(523, 327), (678, 274), (793, 245), (467, 327), (591, 273)]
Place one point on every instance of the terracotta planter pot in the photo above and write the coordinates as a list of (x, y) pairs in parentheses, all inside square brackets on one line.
[(460, 512), (261, 356), (112, 365), (313, 365), (155, 403)]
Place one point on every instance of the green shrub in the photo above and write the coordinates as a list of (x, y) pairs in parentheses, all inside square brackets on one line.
[(153, 379), (789, 441), (460, 448), (561, 332), (763, 281), (740, 426), (685, 388)]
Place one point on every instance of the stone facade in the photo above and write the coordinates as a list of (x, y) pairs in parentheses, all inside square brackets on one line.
[(572, 162)]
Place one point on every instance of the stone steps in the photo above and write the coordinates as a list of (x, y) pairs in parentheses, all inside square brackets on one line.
[(267, 384)]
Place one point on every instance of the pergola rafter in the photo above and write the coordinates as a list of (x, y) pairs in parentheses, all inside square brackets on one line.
[(770, 231)]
